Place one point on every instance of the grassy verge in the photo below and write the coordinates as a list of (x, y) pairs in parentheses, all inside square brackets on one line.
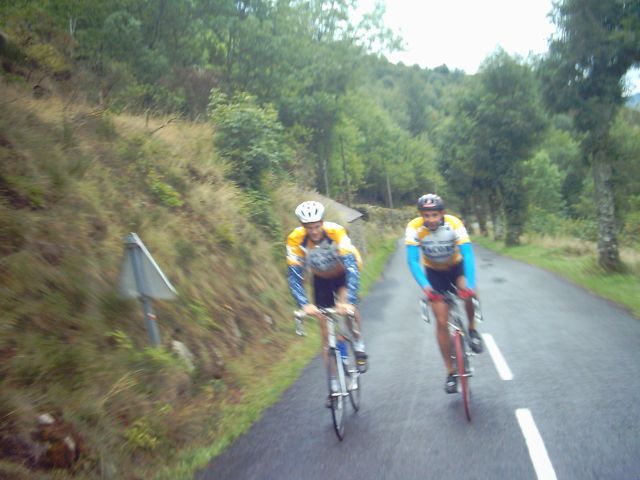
[(71, 347), (578, 265), (376, 262), (263, 387)]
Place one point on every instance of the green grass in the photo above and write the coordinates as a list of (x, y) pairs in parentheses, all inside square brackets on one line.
[(580, 268), (262, 388), (376, 261)]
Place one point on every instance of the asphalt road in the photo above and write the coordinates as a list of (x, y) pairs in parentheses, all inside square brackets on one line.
[(574, 359)]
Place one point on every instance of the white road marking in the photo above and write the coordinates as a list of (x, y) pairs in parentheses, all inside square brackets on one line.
[(498, 360), (537, 450)]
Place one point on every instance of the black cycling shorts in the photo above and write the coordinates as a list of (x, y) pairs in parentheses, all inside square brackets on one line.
[(324, 290), (444, 280)]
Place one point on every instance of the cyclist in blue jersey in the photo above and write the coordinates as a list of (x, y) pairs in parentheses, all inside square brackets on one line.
[(441, 259)]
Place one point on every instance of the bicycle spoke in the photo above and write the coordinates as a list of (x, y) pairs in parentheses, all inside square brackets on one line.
[(353, 380), (461, 360), (337, 401)]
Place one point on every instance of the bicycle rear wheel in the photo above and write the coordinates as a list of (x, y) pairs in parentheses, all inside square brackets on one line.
[(461, 364), (337, 399)]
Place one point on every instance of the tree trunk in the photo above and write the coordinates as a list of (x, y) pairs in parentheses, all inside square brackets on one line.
[(514, 232), (608, 254), (325, 169), (514, 201), (389, 192), (494, 207), (467, 219), (346, 174), (480, 211)]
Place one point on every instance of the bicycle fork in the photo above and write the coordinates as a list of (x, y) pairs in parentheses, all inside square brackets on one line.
[(466, 351), (337, 349)]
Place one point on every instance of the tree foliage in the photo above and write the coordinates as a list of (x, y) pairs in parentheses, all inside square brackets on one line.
[(582, 74), (496, 124), (308, 95), (249, 137)]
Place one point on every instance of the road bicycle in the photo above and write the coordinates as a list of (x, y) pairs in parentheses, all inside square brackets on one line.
[(460, 349), (342, 364)]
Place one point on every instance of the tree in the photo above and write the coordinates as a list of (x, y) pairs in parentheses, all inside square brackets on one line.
[(249, 137), (456, 160), (498, 121), (563, 150), (582, 75)]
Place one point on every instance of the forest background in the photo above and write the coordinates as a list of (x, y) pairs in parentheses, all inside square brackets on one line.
[(199, 125)]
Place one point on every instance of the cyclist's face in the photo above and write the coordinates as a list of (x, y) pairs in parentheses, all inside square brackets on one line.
[(432, 218), (314, 230)]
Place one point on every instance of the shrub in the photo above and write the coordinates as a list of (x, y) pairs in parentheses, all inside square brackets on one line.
[(105, 128), (164, 192), (249, 137), (261, 213), (48, 58)]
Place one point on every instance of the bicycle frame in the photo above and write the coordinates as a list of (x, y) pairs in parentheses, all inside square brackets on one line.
[(459, 348), (332, 344), (454, 320), (342, 364), (456, 324)]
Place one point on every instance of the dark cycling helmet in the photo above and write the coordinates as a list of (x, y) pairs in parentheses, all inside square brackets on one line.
[(430, 201)]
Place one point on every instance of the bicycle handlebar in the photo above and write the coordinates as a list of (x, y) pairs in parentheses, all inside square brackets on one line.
[(323, 311), (424, 302)]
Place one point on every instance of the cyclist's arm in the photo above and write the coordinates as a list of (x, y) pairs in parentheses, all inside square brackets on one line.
[(296, 284), (352, 277), (349, 260), (468, 264), (413, 258)]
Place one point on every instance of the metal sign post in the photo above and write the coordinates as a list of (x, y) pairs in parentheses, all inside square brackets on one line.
[(142, 278)]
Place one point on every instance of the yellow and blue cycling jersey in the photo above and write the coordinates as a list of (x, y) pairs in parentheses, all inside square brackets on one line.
[(440, 249), (333, 255)]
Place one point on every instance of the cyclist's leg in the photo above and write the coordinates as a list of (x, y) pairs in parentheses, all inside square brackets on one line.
[(476, 340), (341, 296), (461, 283), (441, 311), (440, 282), (358, 344), (323, 298)]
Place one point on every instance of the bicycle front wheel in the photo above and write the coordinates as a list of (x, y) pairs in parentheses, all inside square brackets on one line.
[(353, 379), (461, 362), (337, 399)]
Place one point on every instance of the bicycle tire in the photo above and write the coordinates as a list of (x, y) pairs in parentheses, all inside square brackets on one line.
[(462, 373), (337, 401), (353, 380)]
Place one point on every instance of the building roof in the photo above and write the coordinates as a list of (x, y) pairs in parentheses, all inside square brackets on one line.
[(349, 213)]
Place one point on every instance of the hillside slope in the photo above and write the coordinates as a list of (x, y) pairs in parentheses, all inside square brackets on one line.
[(74, 181)]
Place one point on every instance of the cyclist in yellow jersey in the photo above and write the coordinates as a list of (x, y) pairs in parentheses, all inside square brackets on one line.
[(325, 250), (442, 243)]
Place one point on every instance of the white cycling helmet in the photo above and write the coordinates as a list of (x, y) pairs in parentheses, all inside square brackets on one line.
[(309, 212)]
